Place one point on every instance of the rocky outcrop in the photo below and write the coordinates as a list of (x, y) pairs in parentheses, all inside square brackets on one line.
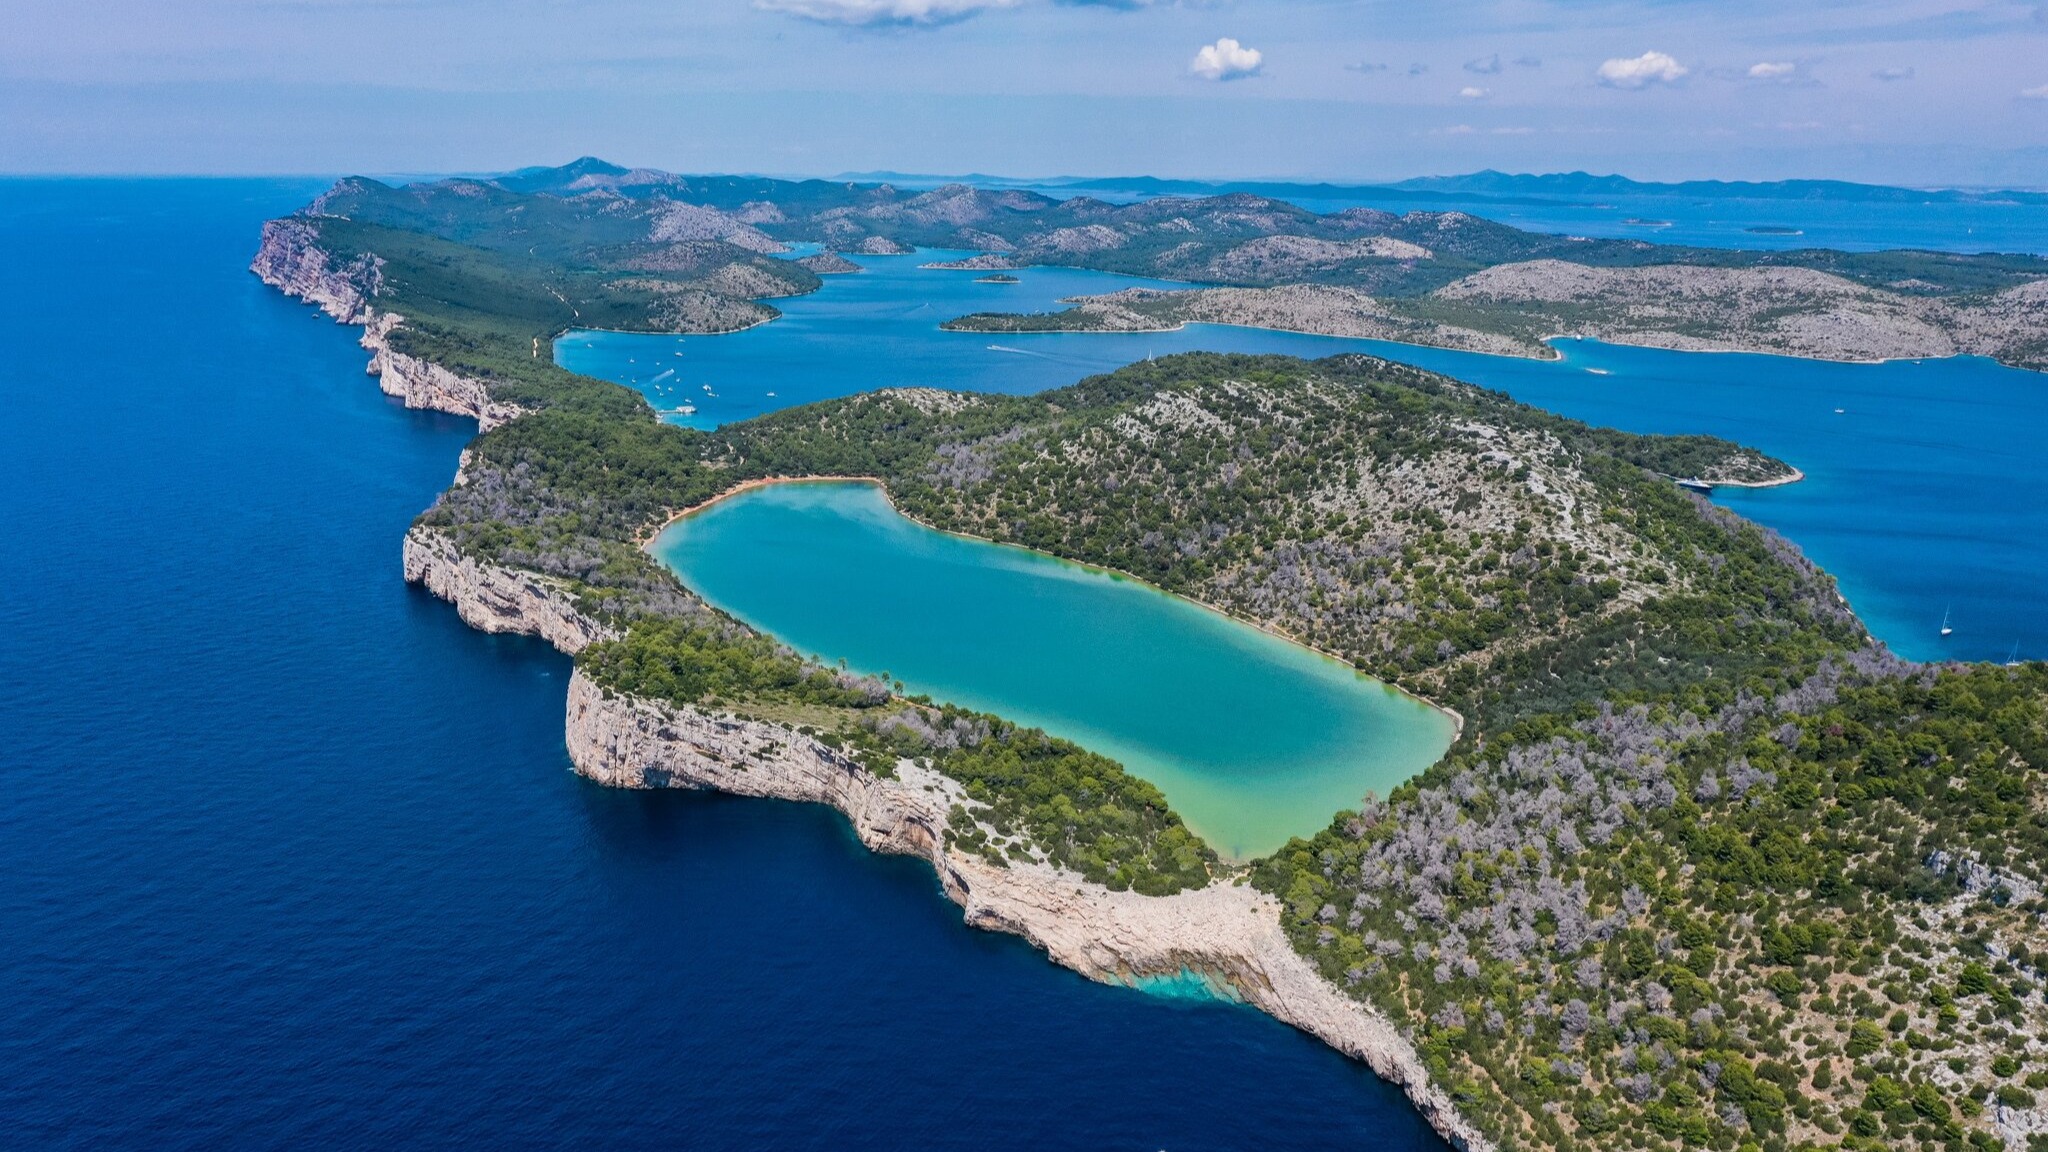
[(291, 260), (1789, 311), (496, 599), (986, 262), (420, 384), (874, 246), (1227, 933), (829, 264), (1317, 309)]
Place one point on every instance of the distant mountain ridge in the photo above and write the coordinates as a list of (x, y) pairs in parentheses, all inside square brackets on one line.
[(1489, 185), (1494, 183)]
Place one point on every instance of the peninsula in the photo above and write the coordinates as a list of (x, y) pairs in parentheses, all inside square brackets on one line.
[(1706, 865)]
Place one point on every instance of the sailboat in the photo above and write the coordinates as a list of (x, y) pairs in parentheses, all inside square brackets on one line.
[(1945, 629), (2012, 658)]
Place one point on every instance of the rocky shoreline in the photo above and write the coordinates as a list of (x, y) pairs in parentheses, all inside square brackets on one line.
[(1227, 933), (289, 261)]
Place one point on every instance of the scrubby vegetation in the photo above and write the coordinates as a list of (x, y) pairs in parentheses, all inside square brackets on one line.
[(1799, 910)]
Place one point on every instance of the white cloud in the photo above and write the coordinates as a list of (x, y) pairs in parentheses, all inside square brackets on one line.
[(1226, 59), (2040, 93), (873, 12), (1470, 93), (1641, 71), (1771, 71)]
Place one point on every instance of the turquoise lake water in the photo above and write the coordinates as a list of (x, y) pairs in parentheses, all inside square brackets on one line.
[(1927, 493), (1253, 739)]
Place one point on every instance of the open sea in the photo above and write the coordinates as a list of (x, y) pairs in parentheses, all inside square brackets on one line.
[(289, 856)]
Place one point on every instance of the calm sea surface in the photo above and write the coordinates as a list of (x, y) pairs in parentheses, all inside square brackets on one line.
[(1924, 492), (1252, 739), (289, 857)]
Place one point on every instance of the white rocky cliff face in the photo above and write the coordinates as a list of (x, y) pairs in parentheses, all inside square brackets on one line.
[(291, 260), (498, 600), (1227, 933)]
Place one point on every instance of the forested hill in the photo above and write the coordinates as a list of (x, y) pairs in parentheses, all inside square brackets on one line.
[(1708, 868), (1468, 547)]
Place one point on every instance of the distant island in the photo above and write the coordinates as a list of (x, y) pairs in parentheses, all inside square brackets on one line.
[(1706, 866), (997, 278), (1490, 186)]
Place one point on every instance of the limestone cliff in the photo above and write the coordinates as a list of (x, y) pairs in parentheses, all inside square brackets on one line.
[(490, 598), (1227, 933), (291, 260)]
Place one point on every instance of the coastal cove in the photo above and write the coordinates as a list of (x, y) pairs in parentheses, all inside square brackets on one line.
[(1253, 738), (1919, 493)]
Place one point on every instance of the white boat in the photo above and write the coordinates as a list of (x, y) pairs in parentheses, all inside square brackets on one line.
[(2012, 658), (1945, 629)]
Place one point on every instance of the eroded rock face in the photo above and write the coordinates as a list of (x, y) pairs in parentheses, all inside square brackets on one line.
[(291, 260), (420, 384), (1228, 933), (498, 600)]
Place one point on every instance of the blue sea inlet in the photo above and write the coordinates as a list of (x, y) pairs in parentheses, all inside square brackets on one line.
[(1924, 480), (1252, 738)]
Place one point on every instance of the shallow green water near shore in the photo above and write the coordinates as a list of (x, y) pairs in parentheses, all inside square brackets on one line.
[(1253, 739)]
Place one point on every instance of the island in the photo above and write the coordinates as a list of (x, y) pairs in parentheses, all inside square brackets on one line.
[(1705, 866), (997, 278)]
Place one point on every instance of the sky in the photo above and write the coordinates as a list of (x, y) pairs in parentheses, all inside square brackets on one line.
[(1919, 92)]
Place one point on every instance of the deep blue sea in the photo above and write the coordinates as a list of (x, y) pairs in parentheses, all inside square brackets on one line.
[(289, 857)]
